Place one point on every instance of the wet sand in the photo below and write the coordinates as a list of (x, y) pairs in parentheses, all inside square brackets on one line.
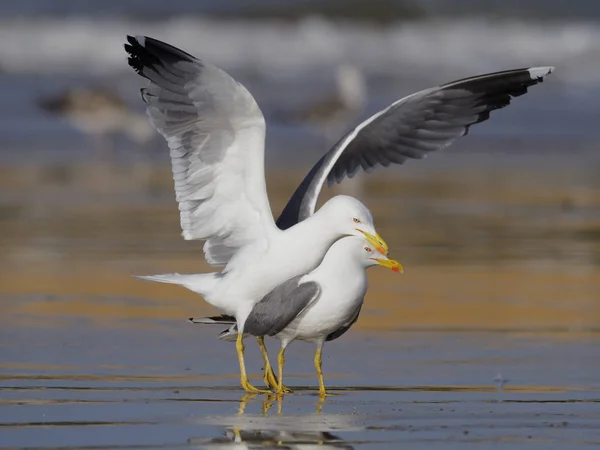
[(491, 336)]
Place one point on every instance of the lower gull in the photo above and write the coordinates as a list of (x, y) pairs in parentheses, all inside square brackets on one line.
[(317, 307)]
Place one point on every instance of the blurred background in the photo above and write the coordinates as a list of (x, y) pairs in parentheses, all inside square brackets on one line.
[(86, 183), (498, 233)]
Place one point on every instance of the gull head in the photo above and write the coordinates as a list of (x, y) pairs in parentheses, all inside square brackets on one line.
[(351, 218), (364, 253), (373, 257)]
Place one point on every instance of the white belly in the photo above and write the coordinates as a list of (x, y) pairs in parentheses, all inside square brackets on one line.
[(335, 307)]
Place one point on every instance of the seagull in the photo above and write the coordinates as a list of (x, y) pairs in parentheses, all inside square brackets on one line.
[(216, 132), (318, 306), (99, 112)]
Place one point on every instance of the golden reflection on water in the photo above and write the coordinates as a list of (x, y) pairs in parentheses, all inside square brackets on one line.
[(481, 250)]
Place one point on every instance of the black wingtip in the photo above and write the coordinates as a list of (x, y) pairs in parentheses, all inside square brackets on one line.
[(138, 56), (145, 51), (132, 40), (223, 318)]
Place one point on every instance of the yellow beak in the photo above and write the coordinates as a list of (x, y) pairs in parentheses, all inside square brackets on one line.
[(389, 264), (376, 241)]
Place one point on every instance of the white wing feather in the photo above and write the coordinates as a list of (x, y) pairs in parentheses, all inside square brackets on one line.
[(216, 134)]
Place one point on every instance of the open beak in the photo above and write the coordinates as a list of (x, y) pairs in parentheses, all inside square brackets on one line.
[(376, 241), (389, 264)]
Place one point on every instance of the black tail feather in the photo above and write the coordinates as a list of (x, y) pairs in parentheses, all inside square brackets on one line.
[(222, 319)]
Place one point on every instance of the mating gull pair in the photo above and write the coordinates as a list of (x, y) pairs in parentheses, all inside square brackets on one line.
[(216, 132), (317, 307)]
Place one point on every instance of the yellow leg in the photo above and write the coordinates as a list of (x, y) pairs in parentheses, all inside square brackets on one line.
[(280, 362), (239, 346), (318, 365), (269, 376)]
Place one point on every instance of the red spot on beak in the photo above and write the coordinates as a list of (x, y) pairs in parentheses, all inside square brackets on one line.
[(396, 269)]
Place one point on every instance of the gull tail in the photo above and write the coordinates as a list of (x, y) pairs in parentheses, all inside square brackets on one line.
[(229, 335), (223, 319), (202, 283)]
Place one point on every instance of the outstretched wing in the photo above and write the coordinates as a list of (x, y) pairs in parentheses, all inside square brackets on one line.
[(216, 133), (410, 128)]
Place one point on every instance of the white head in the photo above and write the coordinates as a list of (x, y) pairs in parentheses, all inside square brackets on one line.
[(349, 217), (358, 251)]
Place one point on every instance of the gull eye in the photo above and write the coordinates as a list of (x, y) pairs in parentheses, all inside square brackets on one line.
[(356, 220), (367, 249)]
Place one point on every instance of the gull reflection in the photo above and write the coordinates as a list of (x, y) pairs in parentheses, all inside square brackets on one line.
[(271, 428), (269, 401), (266, 439)]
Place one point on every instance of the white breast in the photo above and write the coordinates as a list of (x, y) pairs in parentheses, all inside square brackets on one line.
[(342, 293)]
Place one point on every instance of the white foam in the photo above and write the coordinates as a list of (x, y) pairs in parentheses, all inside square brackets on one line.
[(457, 47)]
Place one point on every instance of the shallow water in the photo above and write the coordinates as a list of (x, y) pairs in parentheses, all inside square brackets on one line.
[(160, 387), (490, 337)]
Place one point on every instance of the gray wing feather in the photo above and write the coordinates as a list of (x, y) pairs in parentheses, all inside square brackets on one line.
[(280, 307), (342, 330), (411, 127)]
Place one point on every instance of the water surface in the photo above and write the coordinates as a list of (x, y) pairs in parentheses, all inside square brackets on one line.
[(490, 337)]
